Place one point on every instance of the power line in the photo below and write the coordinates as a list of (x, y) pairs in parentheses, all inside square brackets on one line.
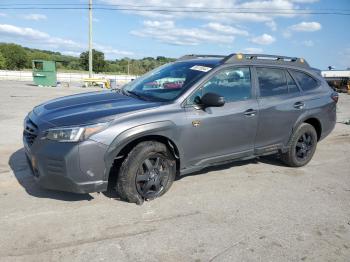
[(174, 9), (163, 10), (77, 5)]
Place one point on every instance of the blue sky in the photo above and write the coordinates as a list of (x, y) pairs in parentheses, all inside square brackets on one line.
[(322, 40)]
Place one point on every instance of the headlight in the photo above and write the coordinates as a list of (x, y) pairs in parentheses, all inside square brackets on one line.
[(74, 134)]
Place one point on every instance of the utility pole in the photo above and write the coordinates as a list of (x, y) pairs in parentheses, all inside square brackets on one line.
[(128, 66), (90, 38)]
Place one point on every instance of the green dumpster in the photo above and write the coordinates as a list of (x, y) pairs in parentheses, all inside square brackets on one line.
[(44, 73)]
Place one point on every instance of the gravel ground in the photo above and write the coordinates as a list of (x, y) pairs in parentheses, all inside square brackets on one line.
[(255, 210)]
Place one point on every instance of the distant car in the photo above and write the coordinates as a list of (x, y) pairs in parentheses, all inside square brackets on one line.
[(211, 110)]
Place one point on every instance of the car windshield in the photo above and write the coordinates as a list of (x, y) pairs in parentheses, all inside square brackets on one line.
[(167, 82)]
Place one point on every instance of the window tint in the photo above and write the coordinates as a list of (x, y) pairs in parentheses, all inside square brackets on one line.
[(292, 86), (168, 82), (233, 84), (272, 82), (305, 81)]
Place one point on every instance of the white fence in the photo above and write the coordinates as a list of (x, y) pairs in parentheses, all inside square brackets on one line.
[(63, 77)]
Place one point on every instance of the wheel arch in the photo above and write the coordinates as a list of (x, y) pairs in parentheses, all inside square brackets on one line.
[(312, 120), (316, 123), (163, 132)]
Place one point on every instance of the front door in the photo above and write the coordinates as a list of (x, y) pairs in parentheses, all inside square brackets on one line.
[(215, 133)]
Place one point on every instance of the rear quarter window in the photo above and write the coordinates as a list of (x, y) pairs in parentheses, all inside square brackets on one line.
[(305, 81)]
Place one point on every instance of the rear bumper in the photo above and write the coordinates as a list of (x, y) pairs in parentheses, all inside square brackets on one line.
[(328, 121), (71, 167)]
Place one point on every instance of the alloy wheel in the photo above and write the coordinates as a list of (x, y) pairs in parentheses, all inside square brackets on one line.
[(152, 176), (304, 146)]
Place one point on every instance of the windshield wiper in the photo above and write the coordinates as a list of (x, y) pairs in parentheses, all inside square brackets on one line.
[(134, 94)]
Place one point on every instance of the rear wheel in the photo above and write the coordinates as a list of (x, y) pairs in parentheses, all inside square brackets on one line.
[(302, 146), (147, 172)]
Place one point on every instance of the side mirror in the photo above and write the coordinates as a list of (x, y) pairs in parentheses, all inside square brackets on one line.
[(212, 100)]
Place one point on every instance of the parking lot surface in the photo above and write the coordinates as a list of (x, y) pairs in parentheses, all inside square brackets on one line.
[(256, 210)]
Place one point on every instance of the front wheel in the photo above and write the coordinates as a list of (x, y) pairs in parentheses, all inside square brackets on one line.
[(147, 172), (302, 146)]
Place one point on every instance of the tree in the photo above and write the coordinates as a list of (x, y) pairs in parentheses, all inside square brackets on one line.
[(15, 56), (74, 64), (98, 61), (36, 55), (2, 61)]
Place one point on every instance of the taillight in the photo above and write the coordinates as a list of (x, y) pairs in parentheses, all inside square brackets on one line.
[(335, 97)]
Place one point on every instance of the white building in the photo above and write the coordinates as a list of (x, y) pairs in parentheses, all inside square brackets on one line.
[(336, 73)]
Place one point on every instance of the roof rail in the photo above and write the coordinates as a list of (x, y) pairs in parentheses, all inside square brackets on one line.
[(191, 56), (262, 57)]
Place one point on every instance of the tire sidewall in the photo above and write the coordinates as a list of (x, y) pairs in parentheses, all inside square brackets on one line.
[(132, 164), (304, 128)]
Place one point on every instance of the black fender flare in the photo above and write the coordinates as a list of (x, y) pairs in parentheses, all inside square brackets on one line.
[(302, 118), (165, 129)]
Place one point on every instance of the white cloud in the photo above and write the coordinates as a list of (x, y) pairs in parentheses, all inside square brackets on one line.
[(264, 39), (224, 18), (304, 1), (32, 36), (25, 32), (3, 15), (35, 36), (71, 53), (272, 25), (286, 33), (112, 52), (167, 32), (226, 29), (253, 50), (308, 43), (221, 6), (306, 27), (35, 17), (159, 24), (302, 27)]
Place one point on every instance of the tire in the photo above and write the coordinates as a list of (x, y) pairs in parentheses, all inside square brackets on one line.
[(301, 147), (146, 173)]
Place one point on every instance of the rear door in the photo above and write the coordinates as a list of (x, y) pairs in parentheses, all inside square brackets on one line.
[(216, 132), (280, 105)]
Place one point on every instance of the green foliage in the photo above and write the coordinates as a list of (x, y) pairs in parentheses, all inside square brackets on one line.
[(98, 61), (17, 57), (2, 61)]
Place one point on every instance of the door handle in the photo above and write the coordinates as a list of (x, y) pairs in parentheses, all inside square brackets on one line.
[(299, 105), (250, 112)]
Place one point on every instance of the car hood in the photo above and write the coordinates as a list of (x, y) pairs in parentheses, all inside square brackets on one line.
[(88, 108)]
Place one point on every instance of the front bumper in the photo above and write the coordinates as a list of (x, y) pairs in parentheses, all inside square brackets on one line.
[(73, 167)]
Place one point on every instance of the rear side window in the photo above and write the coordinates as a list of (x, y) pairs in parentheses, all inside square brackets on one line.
[(292, 86), (305, 81), (272, 82)]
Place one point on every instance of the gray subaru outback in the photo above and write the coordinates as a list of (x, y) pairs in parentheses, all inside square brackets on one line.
[(199, 111)]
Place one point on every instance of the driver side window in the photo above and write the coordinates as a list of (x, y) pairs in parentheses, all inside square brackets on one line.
[(234, 84)]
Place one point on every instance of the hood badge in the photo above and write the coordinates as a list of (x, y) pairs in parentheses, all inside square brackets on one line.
[(196, 123)]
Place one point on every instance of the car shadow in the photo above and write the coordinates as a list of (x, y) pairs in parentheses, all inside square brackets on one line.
[(111, 191), (23, 173)]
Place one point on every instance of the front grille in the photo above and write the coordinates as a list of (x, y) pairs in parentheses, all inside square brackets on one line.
[(30, 131)]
